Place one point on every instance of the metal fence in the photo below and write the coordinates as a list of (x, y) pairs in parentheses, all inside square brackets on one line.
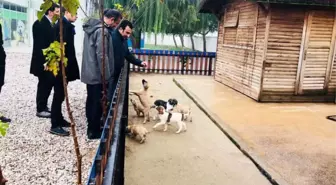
[(175, 62), (108, 164)]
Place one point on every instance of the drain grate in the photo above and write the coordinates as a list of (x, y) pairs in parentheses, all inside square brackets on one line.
[(332, 118)]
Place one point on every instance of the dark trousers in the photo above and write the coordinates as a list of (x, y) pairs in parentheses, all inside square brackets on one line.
[(44, 86), (93, 107), (56, 106)]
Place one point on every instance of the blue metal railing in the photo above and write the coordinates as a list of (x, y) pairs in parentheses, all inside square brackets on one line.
[(176, 62), (108, 164)]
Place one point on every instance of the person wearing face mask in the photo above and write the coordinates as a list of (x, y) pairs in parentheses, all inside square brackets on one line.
[(92, 70), (71, 70), (121, 52)]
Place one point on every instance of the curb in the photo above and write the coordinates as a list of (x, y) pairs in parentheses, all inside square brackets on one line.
[(270, 174)]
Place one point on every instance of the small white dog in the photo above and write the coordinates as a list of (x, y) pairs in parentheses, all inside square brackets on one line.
[(175, 117)]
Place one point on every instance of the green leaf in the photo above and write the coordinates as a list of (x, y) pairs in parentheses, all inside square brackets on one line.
[(3, 128), (53, 57), (71, 6), (43, 8)]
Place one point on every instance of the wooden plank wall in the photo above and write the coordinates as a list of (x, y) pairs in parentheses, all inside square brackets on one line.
[(332, 82), (239, 53), (283, 51), (318, 47)]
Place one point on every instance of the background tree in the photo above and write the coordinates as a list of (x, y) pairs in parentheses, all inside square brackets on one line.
[(207, 23)]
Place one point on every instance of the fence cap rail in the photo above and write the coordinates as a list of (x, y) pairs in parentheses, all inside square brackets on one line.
[(173, 53)]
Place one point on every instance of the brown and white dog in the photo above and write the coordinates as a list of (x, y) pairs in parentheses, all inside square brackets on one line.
[(176, 107), (138, 107), (135, 130), (144, 99), (174, 117)]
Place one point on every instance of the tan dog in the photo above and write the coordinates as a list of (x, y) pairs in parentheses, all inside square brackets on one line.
[(144, 99), (183, 109), (137, 130), (186, 110), (138, 107)]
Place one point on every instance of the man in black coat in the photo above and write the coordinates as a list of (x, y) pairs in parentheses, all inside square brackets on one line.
[(71, 71), (121, 52), (43, 35), (2, 70)]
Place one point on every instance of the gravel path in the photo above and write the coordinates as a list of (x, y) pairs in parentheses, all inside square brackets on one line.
[(29, 154)]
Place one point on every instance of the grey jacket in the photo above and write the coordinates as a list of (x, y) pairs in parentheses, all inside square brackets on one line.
[(92, 68)]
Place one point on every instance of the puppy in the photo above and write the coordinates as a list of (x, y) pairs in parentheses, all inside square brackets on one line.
[(138, 107), (135, 130), (175, 117), (144, 99), (158, 103), (183, 109)]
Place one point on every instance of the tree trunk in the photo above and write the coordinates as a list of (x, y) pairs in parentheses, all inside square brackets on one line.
[(155, 39), (72, 120), (192, 42), (204, 43), (174, 41), (182, 41)]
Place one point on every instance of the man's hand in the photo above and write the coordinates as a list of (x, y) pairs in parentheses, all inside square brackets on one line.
[(45, 66), (144, 64)]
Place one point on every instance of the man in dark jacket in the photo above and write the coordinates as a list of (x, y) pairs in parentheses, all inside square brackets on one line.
[(121, 52), (71, 71), (92, 70), (43, 35), (2, 70)]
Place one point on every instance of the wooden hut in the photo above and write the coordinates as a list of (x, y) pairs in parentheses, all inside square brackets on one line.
[(276, 50)]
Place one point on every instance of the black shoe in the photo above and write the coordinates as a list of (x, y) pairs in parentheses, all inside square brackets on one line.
[(43, 114), (59, 131), (48, 110), (93, 135), (65, 124), (4, 119)]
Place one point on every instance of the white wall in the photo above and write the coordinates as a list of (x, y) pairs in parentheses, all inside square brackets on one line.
[(211, 41)]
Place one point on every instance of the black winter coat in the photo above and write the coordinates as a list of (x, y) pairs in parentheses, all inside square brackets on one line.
[(43, 36), (72, 70), (2, 60)]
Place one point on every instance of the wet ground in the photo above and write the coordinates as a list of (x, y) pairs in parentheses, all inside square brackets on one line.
[(295, 139), (201, 156)]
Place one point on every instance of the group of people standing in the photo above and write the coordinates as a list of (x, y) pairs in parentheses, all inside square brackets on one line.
[(116, 32)]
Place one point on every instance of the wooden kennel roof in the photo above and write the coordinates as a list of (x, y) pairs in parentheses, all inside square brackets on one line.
[(215, 6)]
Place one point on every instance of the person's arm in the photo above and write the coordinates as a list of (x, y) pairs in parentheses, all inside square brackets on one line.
[(99, 50), (37, 39), (131, 58)]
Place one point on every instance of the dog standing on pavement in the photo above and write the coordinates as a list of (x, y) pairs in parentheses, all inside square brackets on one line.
[(174, 117), (144, 99), (138, 107)]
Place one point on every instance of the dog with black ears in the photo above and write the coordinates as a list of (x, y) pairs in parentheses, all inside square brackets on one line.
[(174, 117), (172, 105)]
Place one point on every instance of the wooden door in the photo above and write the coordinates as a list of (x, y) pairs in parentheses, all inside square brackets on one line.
[(316, 52)]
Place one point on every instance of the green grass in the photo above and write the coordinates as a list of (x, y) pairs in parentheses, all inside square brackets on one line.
[(165, 47)]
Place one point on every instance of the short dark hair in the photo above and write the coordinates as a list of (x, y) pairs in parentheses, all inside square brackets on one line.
[(124, 23), (63, 10), (112, 13), (52, 8)]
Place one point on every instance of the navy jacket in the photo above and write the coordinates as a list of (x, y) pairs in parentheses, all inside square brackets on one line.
[(121, 52)]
